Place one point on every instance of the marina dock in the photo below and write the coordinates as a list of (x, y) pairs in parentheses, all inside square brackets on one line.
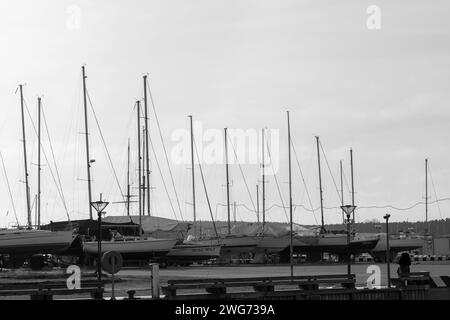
[(137, 282)]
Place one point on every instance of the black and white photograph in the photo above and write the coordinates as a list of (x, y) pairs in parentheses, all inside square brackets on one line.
[(223, 157)]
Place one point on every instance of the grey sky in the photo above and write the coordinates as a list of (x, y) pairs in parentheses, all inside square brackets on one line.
[(238, 64)]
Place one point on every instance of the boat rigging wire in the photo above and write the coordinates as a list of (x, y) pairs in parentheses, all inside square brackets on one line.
[(346, 182), (48, 162), (162, 177), (276, 179), (434, 189), (9, 189), (54, 159), (204, 186), (334, 208), (165, 151), (242, 173), (304, 182), (331, 174), (104, 145)]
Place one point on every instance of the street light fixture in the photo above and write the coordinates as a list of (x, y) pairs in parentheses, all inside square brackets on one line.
[(99, 206), (348, 209), (388, 250)]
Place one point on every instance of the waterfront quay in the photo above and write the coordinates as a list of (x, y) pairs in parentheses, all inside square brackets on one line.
[(139, 279)]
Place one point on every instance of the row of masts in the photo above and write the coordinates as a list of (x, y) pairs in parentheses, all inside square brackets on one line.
[(144, 167), (144, 184), (143, 157), (228, 204)]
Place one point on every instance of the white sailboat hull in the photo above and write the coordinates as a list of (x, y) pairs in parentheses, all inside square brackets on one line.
[(28, 242), (133, 249), (194, 251)]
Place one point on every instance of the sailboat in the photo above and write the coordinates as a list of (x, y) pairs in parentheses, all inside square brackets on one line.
[(130, 247), (23, 243), (27, 242), (334, 242), (190, 251), (268, 243), (231, 245), (234, 244)]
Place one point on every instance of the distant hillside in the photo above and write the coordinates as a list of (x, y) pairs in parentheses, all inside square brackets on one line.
[(436, 227)]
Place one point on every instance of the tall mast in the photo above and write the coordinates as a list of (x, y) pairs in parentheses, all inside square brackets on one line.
[(38, 200), (263, 185), (290, 198), (320, 185), (128, 179), (193, 174), (257, 202), (426, 195), (25, 159), (147, 158), (228, 184), (342, 191), (35, 209), (353, 187), (138, 107), (88, 165), (143, 173)]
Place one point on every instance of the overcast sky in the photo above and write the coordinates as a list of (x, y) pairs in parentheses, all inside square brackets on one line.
[(236, 64)]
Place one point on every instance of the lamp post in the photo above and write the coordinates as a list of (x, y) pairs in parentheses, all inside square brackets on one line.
[(99, 206), (388, 250), (348, 209)]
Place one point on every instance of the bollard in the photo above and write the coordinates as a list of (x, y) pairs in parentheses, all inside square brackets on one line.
[(155, 280)]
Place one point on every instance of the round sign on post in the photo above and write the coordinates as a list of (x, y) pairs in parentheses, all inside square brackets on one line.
[(112, 262)]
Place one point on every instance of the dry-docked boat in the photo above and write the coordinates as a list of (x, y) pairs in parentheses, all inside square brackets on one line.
[(274, 239), (132, 247), (237, 243), (190, 251), (269, 244), (31, 241), (334, 242), (397, 243), (232, 245)]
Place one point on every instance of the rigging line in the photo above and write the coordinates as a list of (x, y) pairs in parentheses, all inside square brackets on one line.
[(162, 177), (434, 189), (242, 173), (303, 179), (329, 169), (104, 145), (371, 207), (9, 189), (48, 162), (280, 206), (165, 151), (402, 209), (204, 186), (275, 176), (345, 181), (53, 157)]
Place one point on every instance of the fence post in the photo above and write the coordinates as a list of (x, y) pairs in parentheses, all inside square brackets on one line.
[(155, 280)]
